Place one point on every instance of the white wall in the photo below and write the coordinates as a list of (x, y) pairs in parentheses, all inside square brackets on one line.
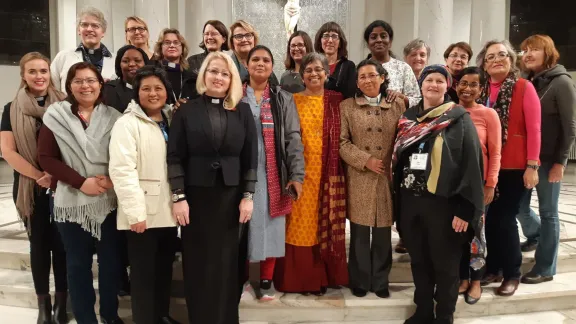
[(9, 82)]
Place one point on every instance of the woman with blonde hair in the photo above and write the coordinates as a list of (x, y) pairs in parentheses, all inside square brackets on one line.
[(170, 54), (212, 163), (137, 34), (21, 120)]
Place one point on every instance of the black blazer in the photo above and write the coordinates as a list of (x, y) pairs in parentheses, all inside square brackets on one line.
[(188, 83), (195, 160), (117, 95), (344, 78)]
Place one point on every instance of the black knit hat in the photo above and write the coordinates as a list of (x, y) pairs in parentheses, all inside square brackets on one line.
[(120, 53)]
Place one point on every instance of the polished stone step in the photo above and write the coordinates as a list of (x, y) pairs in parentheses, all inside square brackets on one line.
[(16, 289), (14, 255)]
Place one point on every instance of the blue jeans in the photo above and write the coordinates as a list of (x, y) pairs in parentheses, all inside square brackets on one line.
[(79, 245), (546, 228)]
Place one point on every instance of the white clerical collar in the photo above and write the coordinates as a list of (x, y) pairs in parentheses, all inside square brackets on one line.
[(128, 85), (373, 101)]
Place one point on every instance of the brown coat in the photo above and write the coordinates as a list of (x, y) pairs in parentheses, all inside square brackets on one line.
[(368, 131)]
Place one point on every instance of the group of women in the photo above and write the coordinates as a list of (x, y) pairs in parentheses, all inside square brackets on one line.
[(256, 170)]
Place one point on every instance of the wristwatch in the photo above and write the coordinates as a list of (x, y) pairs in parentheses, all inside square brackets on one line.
[(248, 196), (178, 195), (532, 166)]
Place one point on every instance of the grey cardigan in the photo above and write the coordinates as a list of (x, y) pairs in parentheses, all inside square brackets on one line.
[(557, 94)]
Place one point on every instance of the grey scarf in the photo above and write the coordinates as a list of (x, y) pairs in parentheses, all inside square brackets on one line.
[(85, 151)]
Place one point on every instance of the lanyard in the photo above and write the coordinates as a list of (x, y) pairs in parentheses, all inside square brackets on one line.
[(181, 86)]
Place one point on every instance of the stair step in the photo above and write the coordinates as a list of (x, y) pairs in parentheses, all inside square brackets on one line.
[(16, 289), (15, 255)]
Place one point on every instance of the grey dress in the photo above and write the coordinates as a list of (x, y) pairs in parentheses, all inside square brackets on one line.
[(267, 235)]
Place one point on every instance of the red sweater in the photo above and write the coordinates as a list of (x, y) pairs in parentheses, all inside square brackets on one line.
[(524, 138)]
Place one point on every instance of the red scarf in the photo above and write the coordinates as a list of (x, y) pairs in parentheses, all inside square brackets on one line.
[(332, 219), (280, 205)]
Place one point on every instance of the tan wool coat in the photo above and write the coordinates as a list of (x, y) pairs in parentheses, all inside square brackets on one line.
[(368, 131)]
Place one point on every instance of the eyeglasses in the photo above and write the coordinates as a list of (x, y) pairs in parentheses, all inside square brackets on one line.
[(85, 25), (211, 34), (136, 29), (327, 36), (239, 37), (169, 43), (88, 81), (455, 56), (496, 57), (369, 77), (224, 74), (299, 45), (318, 70), (465, 84)]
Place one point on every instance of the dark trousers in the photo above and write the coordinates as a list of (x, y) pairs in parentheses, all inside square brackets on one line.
[(151, 256), (79, 245), (435, 250), (369, 263), (46, 249), (502, 238)]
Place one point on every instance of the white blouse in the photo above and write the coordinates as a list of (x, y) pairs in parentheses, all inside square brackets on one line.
[(402, 79)]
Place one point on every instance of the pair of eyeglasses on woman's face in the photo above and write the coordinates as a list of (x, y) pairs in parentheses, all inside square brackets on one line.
[(136, 29), (465, 84), (85, 25), (299, 45), (224, 74), (211, 34), (88, 81), (496, 57), (318, 70), (247, 36), (368, 77), (333, 37), (169, 43)]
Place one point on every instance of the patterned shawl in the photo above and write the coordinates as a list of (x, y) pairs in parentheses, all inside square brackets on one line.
[(332, 218), (279, 204), (503, 102)]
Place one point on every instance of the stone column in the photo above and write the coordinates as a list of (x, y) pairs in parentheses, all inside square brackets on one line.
[(156, 13), (405, 24), (66, 25), (200, 11), (461, 21), (435, 26), (489, 21)]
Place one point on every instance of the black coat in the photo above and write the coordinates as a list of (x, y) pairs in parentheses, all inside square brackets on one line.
[(188, 84), (195, 160), (117, 95), (344, 78)]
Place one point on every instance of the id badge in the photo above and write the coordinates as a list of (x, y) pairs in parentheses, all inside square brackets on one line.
[(418, 161)]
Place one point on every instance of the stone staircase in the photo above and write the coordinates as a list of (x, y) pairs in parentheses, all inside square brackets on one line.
[(16, 289)]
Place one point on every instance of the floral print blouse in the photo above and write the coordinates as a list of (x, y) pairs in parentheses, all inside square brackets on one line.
[(402, 79)]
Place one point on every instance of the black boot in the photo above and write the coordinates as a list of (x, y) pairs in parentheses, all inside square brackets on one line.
[(44, 309), (60, 313)]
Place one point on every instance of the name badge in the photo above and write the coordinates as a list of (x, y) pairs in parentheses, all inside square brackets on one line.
[(172, 65), (418, 161)]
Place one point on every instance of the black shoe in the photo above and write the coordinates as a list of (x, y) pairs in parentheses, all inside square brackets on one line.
[(530, 278), (118, 320), (400, 248), (168, 320), (44, 309), (471, 300), (358, 292), (420, 319), (529, 245), (383, 293), (125, 290), (60, 313), (445, 320), (265, 284)]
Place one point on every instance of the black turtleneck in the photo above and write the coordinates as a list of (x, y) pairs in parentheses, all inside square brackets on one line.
[(218, 119), (95, 55)]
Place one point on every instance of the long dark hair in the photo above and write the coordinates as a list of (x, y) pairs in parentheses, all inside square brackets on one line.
[(221, 28), (70, 76), (381, 71), (151, 71)]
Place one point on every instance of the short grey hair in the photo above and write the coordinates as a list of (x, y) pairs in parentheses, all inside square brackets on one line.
[(509, 48), (92, 12), (414, 45), (313, 57)]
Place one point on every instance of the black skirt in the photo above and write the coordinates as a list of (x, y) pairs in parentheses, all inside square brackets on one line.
[(210, 248)]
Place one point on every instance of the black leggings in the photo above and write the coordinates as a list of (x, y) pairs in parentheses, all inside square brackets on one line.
[(44, 238)]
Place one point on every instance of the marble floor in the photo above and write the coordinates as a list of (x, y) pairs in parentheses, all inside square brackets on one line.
[(9, 315)]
